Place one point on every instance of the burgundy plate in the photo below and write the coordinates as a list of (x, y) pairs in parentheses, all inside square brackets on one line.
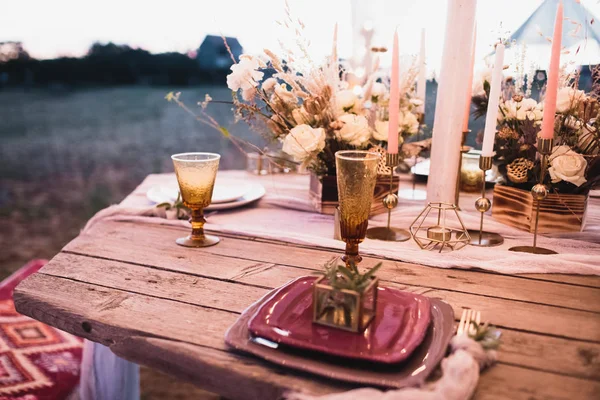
[(398, 328), (412, 372)]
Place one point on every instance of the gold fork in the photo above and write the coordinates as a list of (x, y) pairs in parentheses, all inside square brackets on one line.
[(469, 321)]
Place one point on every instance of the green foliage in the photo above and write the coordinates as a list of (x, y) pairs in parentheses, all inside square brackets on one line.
[(487, 335), (182, 210), (347, 277)]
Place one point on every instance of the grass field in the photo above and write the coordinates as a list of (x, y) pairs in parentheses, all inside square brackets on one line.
[(66, 155)]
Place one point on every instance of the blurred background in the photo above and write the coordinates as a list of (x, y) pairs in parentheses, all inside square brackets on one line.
[(83, 117)]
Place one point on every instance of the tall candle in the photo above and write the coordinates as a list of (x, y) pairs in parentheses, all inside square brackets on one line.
[(470, 84), (422, 82), (394, 106), (491, 118), (552, 83), (450, 102)]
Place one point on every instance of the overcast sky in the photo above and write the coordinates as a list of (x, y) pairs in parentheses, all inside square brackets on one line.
[(68, 27)]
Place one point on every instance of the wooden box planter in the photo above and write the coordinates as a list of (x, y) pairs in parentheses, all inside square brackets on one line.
[(324, 195), (558, 213)]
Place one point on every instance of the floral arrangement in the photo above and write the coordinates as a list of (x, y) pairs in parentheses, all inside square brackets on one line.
[(314, 112), (574, 165), (312, 109)]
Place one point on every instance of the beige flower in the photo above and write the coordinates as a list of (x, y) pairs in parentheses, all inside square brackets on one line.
[(484, 75), (346, 100), (568, 98), (408, 123), (567, 165), (269, 85), (244, 74), (378, 91), (381, 130), (355, 130), (301, 116), (282, 93), (303, 141)]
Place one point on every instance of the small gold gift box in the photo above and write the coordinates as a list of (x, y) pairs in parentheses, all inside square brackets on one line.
[(342, 308)]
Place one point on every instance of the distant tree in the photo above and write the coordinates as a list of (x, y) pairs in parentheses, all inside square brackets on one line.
[(107, 50), (13, 51)]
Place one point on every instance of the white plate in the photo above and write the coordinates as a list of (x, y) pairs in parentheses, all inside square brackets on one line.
[(225, 191), (166, 193)]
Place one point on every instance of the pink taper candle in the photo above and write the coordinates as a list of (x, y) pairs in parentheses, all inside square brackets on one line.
[(394, 106), (552, 84), (470, 84)]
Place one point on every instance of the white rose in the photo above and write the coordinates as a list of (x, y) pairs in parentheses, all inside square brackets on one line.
[(378, 91), (346, 100), (481, 77), (244, 74), (269, 84), (408, 123), (381, 130), (355, 130), (567, 98), (567, 165), (282, 93), (303, 141), (301, 116)]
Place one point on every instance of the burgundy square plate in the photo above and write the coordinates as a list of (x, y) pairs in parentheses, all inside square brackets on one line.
[(412, 372), (398, 328)]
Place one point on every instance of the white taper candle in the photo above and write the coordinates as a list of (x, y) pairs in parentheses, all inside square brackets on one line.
[(491, 119)]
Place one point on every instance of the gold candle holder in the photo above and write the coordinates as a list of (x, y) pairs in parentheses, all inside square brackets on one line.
[(463, 149), (483, 204), (437, 233), (539, 193), (390, 201)]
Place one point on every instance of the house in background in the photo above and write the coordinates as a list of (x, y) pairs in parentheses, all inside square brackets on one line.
[(213, 57)]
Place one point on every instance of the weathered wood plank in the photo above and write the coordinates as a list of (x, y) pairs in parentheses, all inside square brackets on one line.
[(120, 316), (541, 352), (255, 379), (157, 244), (233, 376)]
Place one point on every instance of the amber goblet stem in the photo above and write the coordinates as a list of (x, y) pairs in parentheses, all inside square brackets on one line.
[(351, 254), (197, 220)]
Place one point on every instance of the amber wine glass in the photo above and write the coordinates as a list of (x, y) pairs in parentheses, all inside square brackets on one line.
[(196, 173), (356, 178)]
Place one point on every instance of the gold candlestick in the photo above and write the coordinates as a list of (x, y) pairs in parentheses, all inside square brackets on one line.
[(482, 204), (463, 149), (390, 201), (539, 193)]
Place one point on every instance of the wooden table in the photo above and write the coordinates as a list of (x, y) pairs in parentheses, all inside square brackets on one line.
[(129, 287)]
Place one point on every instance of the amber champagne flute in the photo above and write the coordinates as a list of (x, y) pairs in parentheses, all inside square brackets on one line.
[(356, 178), (196, 173)]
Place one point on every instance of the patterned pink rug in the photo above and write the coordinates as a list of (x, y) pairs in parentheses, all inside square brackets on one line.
[(37, 362)]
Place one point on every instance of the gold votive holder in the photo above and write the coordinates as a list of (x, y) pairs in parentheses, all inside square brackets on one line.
[(439, 227), (439, 233), (342, 308)]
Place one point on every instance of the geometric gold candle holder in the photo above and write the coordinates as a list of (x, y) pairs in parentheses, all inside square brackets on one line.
[(439, 226)]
